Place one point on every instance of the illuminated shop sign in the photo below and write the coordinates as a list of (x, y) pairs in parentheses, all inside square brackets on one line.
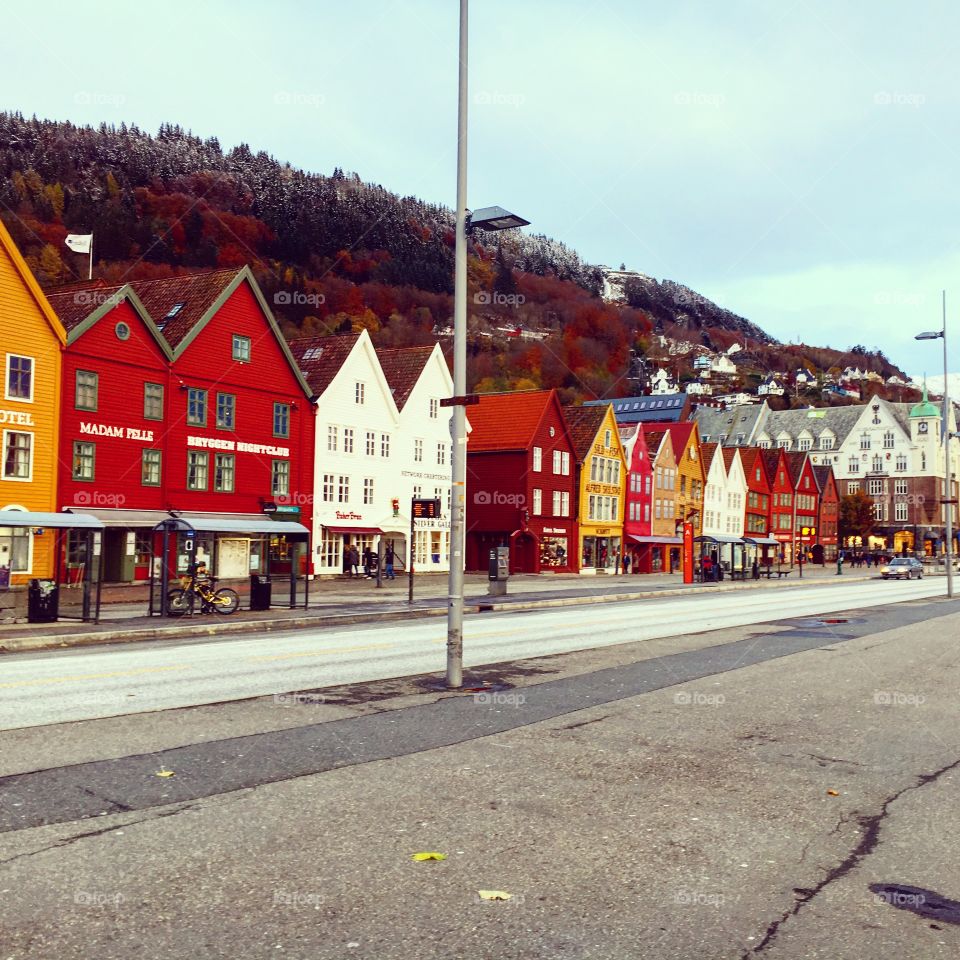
[(240, 446)]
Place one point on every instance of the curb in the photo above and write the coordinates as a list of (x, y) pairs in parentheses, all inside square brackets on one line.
[(474, 605)]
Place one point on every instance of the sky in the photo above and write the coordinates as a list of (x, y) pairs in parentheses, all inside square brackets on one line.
[(793, 160)]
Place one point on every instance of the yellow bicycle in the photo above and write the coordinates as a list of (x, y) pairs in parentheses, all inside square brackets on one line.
[(196, 584)]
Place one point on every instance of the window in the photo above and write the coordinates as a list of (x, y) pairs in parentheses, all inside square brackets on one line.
[(826, 443), (333, 434), (434, 408), (537, 501), (854, 465), (441, 453), (880, 510), (17, 455), (901, 462), (241, 348), (877, 463), (564, 504), (865, 441), (875, 487), (418, 450), (359, 392), (348, 439), (900, 487), (805, 443), (87, 388), (384, 444), (226, 411), (198, 465), (327, 490), (658, 510), (888, 440), (281, 419), (556, 461), (368, 490), (900, 512), (537, 459), (224, 472), (153, 401), (606, 438), (565, 463), (784, 444), (19, 381), (853, 486), (557, 501), (84, 460), (371, 444), (150, 468), (343, 489), (417, 492), (15, 548), (196, 407)]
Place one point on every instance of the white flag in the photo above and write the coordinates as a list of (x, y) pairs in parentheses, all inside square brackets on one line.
[(79, 242)]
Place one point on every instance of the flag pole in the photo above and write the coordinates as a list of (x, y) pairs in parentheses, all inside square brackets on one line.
[(90, 272)]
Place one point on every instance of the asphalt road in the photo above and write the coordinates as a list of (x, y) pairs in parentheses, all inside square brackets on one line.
[(61, 686), (783, 792)]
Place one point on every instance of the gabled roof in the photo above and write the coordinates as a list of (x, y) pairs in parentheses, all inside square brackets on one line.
[(402, 366), (680, 433), (742, 419), (796, 461), (320, 358), (771, 461), (823, 475), (30, 282), (584, 424), (729, 453), (508, 421), (655, 440)]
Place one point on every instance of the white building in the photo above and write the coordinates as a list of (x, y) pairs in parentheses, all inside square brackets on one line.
[(723, 365), (662, 383), (770, 386)]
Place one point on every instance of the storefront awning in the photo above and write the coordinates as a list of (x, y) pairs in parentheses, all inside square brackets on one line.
[(762, 541), (238, 523), (664, 540), (129, 518), (60, 521), (718, 538)]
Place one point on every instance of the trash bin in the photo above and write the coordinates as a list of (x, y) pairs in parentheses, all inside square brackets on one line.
[(260, 592), (43, 601)]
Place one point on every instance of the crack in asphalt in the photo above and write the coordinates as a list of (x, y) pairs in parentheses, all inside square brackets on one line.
[(870, 825)]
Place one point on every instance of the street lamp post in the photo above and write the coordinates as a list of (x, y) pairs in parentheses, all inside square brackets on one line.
[(946, 434), (489, 218)]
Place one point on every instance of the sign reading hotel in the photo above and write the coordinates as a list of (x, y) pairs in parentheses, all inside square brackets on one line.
[(240, 446), (17, 418)]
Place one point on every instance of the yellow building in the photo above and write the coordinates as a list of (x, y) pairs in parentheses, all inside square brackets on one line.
[(31, 341), (601, 486)]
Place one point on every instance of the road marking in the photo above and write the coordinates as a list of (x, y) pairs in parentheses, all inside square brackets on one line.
[(89, 676), (321, 653)]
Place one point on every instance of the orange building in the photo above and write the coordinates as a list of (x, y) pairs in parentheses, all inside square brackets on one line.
[(31, 344), (662, 554), (690, 474)]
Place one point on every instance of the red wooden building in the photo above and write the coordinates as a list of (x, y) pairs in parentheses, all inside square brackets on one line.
[(638, 522), (806, 503), (828, 520), (521, 484), (781, 500), (181, 399)]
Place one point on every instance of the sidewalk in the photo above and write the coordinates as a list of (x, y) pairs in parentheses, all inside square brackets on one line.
[(344, 601)]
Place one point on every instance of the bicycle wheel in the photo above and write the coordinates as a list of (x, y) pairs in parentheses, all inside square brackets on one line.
[(225, 601), (178, 603)]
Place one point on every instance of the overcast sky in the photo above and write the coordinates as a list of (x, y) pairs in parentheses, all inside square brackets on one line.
[(796, 162)]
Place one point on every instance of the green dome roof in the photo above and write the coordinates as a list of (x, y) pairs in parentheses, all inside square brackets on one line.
[(924, 408)]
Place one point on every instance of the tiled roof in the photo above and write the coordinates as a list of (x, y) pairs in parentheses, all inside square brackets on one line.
[(742, 419), (728, 454), (707, 453), (771, 460), (402, 366), (656, 407), (175, 304), (507, 421), (838, 420), (795, 463), (654, 439), (320, 358), (680, 433), (822, 474), (583, 424)]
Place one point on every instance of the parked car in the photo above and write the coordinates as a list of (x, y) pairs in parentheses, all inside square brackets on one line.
[(905, 568)]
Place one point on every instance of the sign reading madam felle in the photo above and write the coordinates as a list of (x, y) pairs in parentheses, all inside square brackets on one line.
[(113, 430)]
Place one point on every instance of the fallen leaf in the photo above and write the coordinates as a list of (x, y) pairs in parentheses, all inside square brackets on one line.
[(495, 895), (833, 793), (429, 855), (164, 773)]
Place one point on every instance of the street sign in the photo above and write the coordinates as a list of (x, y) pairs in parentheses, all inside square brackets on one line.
[(468, 400)]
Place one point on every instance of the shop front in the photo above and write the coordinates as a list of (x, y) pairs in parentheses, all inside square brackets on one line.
[(727, 555), (653, 554), (600, 552), (554, 548)]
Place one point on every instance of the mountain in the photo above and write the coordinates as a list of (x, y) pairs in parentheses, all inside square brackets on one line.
[(335, 254)]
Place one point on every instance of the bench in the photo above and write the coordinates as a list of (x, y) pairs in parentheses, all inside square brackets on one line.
[(768, 572)]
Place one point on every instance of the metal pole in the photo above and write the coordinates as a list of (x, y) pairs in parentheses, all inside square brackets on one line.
[(947, 474), (458, 458), (410, 567)]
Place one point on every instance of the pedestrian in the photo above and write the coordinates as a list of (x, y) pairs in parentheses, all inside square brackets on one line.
[(755, 570), (868, 559), (354, 560), (367, 562), (626, 563), (388, 562), (707, 567)]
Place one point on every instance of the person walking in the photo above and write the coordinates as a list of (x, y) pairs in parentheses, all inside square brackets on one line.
[(388, 558), (367, 562), (707, 567), (626, 563), (354, 560)]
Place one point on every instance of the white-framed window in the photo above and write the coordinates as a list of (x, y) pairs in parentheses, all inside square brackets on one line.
[(327, 489), (329, 550), (537, 459), (343, 489), (565, 463), (348, 439), (434, 408), (658, 511), (333, 438), (826, 443), (901, 462), (557, 502), (368, 490), (537, 501), (877, 463), (865, 441), (854, 465), (384, 444), (853, 486), (441, 453), (16, 545), (556, 462), (18, 382), (880, 510), (371, 444), (875, 487), (888, 440), (564, 503), (359, 392), (417, 492), (17, 455), (418, 451), (900, 512), (900, 486), (804, 443), (280, 478)]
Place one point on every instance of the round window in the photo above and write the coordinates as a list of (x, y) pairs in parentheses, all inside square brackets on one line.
[(553, 431), (122, 331)]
